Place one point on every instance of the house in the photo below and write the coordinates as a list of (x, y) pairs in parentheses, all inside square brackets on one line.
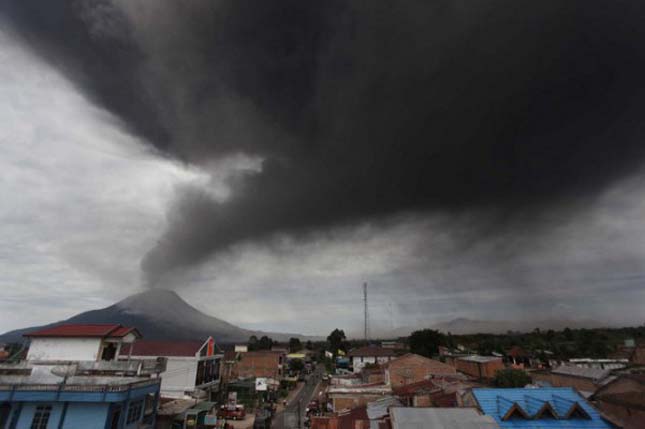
[(586, 380), (79, 342), (531, 408), (440, 418), (192, 367), (374, 414), (347, 419), (638, 355), (623, 399), (370, 355), (599, 363), (412, 368), (419, 394), (346, 397), (261, 363), (70, 380), (480, 367), (440, 391)]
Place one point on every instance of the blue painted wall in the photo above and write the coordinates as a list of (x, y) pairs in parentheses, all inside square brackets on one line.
[(29, 409), (86, 415)]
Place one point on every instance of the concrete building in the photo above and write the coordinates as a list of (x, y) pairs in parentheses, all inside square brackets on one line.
[(70, 380), (638, 355), (347, 397), (623, 400), (480, 367), (79, 342), (192, 367), (585, 380), (413, 368), (261, 363), (370, 355)]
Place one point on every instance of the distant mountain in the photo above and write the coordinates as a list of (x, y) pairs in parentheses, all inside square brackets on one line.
[(461, 326), (468, 326), (160, 314)]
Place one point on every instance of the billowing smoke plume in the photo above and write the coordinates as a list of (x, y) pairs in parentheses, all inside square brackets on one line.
[(358, 109)]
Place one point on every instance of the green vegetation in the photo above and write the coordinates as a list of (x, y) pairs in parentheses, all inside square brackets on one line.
[(296, 365), (264, 343), (426, 342), (511, 378), (336, 341), (294, 345)]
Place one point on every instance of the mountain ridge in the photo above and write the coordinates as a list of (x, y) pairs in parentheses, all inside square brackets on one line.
[(160, 314)]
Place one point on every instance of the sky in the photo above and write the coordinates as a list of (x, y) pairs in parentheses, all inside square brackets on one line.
[(465, 160)]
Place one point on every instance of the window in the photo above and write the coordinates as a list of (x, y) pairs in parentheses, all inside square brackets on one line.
[(41, 417), (150, 404), (134, 411)]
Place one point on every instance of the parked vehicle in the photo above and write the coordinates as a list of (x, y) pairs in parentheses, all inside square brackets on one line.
[(237, 413)]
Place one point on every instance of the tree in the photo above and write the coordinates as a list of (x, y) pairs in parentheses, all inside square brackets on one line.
[(336, 341), (294, 345), (309, 345), (264, 343), (253, 343), (426, 342), (511, 378), (296, 364)]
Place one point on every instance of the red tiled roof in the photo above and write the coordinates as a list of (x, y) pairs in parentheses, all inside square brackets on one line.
[(162, 348), (371, 351), (83, 330)]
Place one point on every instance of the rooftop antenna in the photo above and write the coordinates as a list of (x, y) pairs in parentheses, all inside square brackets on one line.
[(366, 327)]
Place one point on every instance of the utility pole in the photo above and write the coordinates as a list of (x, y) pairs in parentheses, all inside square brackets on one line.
[(365, 311)]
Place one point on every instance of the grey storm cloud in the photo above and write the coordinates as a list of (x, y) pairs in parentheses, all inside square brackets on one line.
[(358, 110)]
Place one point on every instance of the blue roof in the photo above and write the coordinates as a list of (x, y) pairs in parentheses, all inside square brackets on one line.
[(534, 403)]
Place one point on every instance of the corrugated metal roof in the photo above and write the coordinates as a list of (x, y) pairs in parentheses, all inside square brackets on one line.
[(440, 418), (480, 359), (84, 330), (162, 348), (379, 408), (595, 374), (561, 399)]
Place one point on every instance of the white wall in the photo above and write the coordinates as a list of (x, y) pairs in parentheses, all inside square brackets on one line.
[(64, 349), (358, 363), (179, 377)]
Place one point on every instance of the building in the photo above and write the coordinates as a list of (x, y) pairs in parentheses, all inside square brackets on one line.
[(347, 397), (531, 408), (586, 380), (638, 355), (78, 342), (412, 368), (192, 367), (370, 355), (261, 363), (440, 418), (623, 399), (419, 394), (374, 414), (480, 367), (70, 380), (599, 363)]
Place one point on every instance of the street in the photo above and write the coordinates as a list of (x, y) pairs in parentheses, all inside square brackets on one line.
[(288, 419)]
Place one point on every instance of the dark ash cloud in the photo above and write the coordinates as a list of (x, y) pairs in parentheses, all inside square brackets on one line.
[(360, 110)]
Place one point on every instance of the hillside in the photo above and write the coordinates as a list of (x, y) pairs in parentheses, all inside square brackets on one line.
[(160, 314)]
